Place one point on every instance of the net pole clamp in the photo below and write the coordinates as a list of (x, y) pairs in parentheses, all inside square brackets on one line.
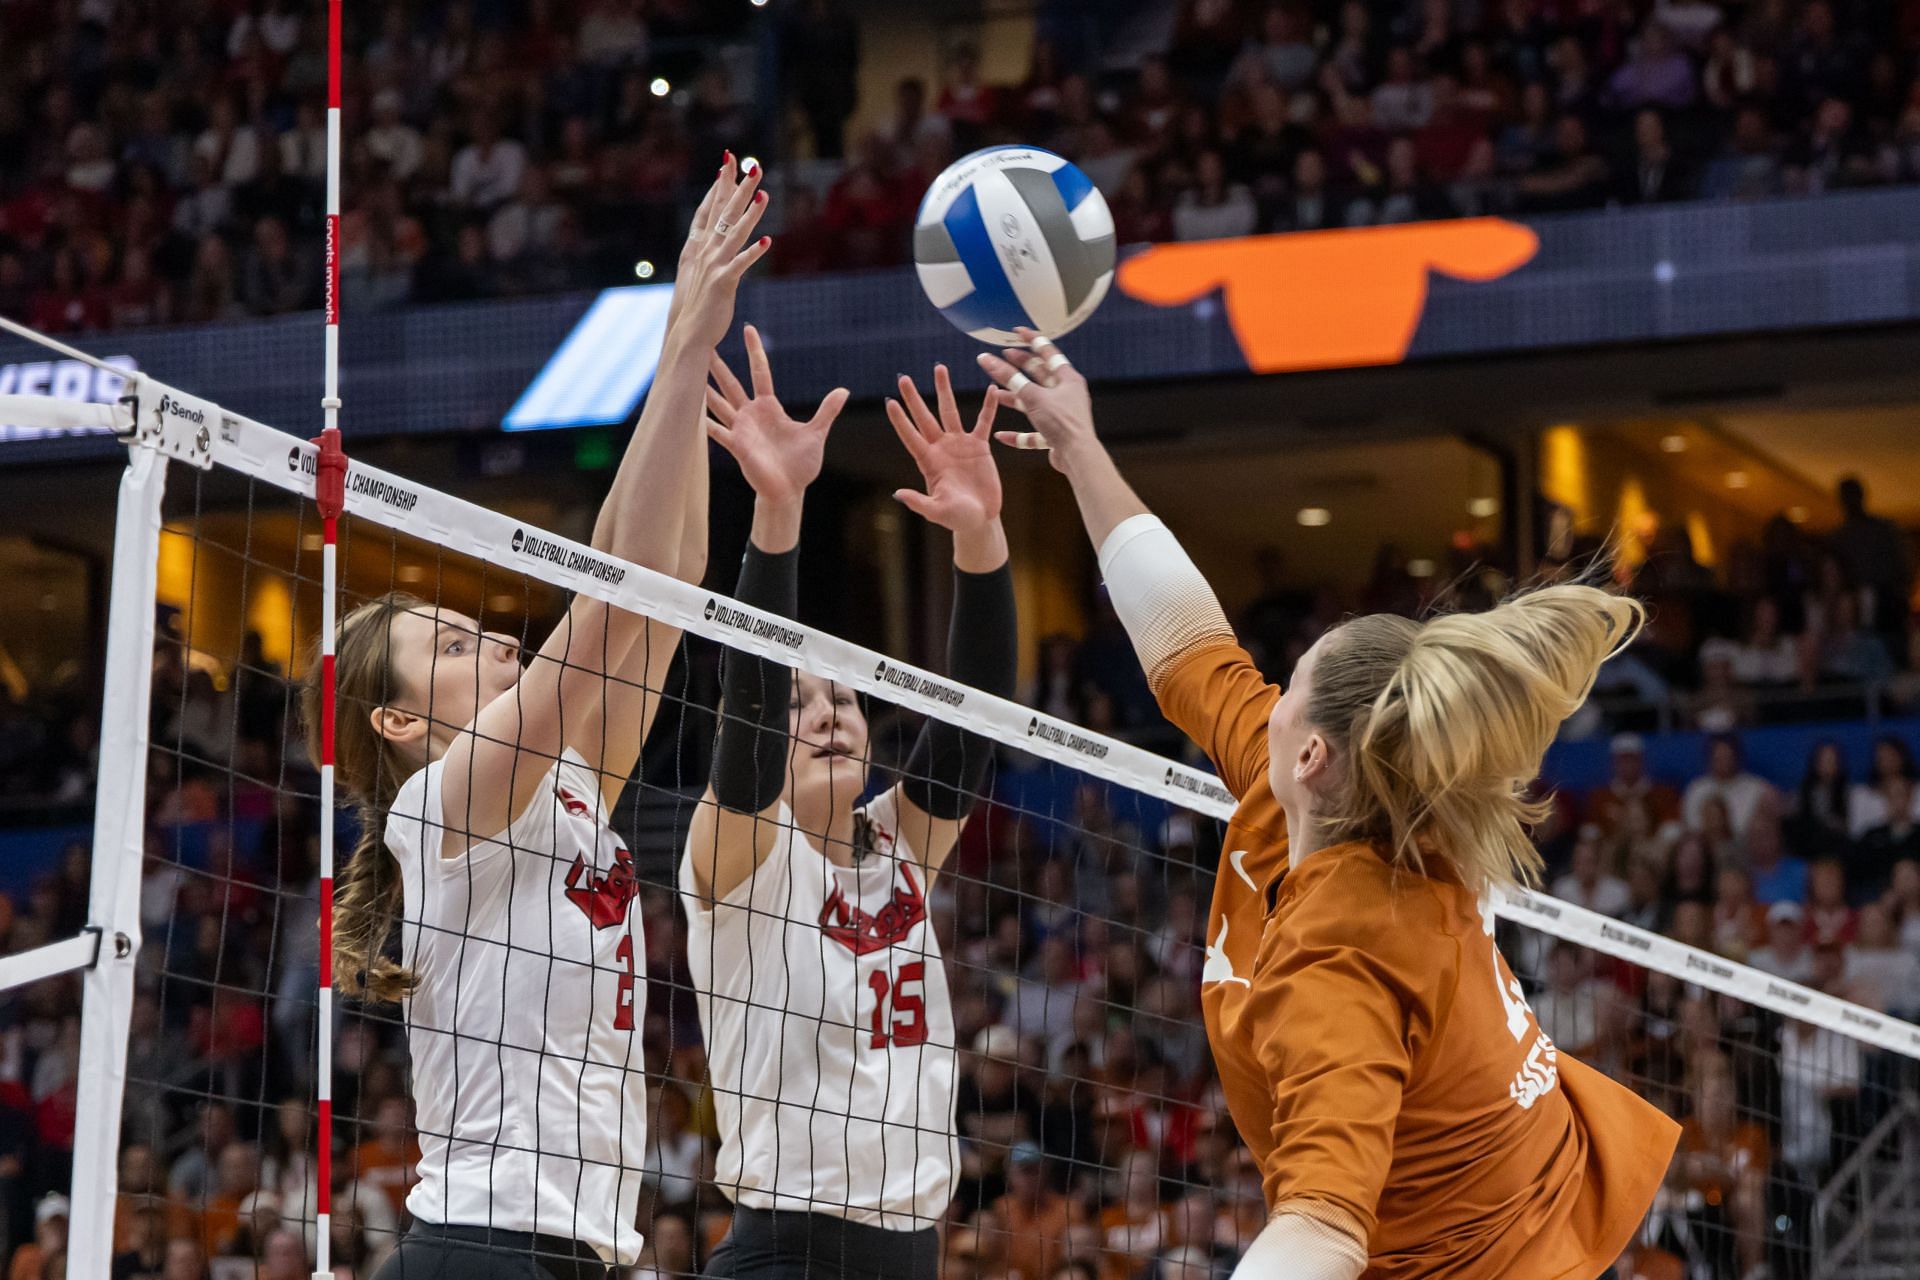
[(330, 474)]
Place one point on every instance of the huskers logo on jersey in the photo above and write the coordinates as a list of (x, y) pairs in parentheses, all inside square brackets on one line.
[(864, 934), (604, 898)]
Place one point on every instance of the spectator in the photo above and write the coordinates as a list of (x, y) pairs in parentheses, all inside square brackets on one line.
[(674, 1150), (186, 1260), (1136, 1226), (1875, 801), (1741, 792), (1820, 1072), (1034, 1215), (994, 1110), (1654, 175), (1739, 919), (1720, 705), (386, 1161), (392, 141), (1883, 847), (1403, 102), (1658, 74), (1281, 57), (1572, 178), (1587, 883), (274, 279), (1886, 974), (1310, 207), (1725, 1161), (1902, 901), (284, 1257), (1830, 920), (1850, 654), (1570, 1010), (1632, 807), (1778, 876), (966, 103), (1748, 166), (488, 170), (1215, 208), (1786, 954), (1875, 554), (1818, 823), (50, 1217)]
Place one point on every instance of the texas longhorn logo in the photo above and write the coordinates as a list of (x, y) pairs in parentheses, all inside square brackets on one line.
[(603, 898), (864, 934)]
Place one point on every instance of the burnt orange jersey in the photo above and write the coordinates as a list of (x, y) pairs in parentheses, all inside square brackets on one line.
[(1377, 1054)]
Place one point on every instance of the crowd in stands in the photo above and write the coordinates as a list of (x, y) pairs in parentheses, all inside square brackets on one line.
[(166, 162)]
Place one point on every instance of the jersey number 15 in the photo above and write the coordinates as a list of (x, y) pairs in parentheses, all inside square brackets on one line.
[(905, 1024)]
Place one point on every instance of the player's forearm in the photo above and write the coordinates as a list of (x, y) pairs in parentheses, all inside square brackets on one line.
[(982, 549), (1161, 597), (662, 479), (1103, 494), (1294, 1246)]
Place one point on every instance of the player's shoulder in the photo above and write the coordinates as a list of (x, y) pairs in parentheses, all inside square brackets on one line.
[(1353, 895)]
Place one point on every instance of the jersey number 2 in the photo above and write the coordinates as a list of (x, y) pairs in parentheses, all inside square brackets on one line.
[(623, 1009), (906, 1023)]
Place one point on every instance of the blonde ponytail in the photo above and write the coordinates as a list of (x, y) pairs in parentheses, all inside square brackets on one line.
[(1442, 725)]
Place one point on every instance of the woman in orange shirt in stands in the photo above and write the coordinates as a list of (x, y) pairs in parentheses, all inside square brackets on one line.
[(1411, 1120)]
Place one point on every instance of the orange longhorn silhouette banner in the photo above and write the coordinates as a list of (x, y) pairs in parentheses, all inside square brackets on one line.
[(1327, 299)]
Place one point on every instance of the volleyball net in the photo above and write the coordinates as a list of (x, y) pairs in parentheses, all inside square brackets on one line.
[(1071, 926)]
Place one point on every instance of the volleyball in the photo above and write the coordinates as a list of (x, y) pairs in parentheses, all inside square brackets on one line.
[(1014, 236)]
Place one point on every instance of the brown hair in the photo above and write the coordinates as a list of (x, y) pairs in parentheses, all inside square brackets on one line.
[(369, 770), (1442, 724)]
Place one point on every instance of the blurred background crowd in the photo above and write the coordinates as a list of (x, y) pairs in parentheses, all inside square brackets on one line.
[(1095, 1142), (166, 163)]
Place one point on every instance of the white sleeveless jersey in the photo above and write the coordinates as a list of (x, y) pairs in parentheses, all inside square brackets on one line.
[(830, 1038), (528, 1075)]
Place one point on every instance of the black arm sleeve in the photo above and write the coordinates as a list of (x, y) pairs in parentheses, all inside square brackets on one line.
[(948, 764), (750, 750)]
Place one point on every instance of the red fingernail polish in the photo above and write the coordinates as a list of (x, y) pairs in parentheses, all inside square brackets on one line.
[(765, 241), (726, 158), (759, 197)]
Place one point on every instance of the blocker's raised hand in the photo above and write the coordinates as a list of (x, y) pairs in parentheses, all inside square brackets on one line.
[(779, 456), (720, 247), (963, 485)]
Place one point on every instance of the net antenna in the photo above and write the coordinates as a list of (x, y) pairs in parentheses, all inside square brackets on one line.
[(329, 491)]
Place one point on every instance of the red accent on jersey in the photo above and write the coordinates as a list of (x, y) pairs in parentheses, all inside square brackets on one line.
[(575, 805), (864, 934), (603, 898)]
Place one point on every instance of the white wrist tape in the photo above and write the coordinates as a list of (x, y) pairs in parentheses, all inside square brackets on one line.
[(1164, 603), (1296, 1247)]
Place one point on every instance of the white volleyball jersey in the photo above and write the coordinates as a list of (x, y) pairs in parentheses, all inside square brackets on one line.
[(830, 1040), (528, 1076)]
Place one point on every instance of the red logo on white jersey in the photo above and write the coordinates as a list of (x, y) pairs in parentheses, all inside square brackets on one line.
[(864, 934), (575, 805), (603, 898)]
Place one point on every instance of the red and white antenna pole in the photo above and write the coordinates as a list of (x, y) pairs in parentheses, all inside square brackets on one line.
[(330, 494)]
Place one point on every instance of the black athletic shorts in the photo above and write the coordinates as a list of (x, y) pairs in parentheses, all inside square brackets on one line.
[(816, 1246), (434, 1252)]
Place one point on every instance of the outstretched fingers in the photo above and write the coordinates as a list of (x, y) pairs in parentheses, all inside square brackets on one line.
[(923, 420), (758, 370), (903, 427), (723, 378), (830, 407)]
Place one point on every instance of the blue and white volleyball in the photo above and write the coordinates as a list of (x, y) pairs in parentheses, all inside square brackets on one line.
[(1014, 236)]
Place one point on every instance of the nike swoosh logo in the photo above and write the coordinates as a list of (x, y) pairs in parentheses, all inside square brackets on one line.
[(1238, 858)]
